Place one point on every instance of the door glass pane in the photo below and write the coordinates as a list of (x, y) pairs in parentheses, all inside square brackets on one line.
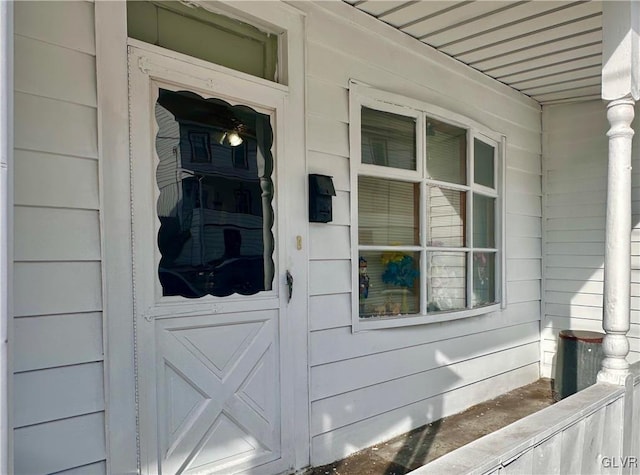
[(484, 221), (388, 212), (446, 152), (388, 140), (389, 283), (446, 214), (447, 281), (484, 278), (483, 166), (215, 203)]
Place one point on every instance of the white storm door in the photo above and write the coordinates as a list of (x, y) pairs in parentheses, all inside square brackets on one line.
[(212, 352)]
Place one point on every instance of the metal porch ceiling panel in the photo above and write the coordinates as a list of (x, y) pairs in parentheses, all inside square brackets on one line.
[(548, 50)]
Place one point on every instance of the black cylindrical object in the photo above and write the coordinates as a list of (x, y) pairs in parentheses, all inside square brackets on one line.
[(578, 361)]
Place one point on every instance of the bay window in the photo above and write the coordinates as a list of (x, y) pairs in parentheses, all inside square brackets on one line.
[(427, 210)]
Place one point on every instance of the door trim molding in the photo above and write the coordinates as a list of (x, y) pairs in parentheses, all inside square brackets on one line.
[(115, 216), (115, 186)]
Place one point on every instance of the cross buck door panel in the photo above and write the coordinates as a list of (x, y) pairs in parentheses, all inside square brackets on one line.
[(212, 372)]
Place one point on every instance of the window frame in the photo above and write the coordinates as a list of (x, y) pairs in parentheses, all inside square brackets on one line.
[(362, 95)]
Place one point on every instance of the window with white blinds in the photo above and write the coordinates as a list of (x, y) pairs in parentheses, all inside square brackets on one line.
[(428, 206)]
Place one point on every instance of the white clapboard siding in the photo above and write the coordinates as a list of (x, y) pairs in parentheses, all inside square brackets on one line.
[(47, 234), (523, 291), (348, 439), (347, 408), (57, 393), (344, 344), (573, 311), (341, 210), (329, 277), (329, 242), (54, 126), (60, 340), (99, 468), (327, 136), (522, 204), (67, 24), (59, 445), (524, 182), (555, 324), (43, 70), (327, 100), (575, 163), (58, 390), (329, 311), (42, 288), (401, 374), (574, 274), (523, 159), (524, 226), (519, 247), (55, 181), (524, 269), (348, 375)]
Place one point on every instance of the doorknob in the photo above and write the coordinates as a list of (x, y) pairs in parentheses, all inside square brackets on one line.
[(290, 285)]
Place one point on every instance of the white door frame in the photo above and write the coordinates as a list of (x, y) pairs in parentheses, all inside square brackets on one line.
[(113, 136)]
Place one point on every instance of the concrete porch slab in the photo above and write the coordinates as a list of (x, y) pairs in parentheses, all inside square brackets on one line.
[(413, 449)]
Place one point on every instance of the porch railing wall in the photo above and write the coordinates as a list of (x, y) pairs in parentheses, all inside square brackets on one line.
[(633, 422), (593, 431)]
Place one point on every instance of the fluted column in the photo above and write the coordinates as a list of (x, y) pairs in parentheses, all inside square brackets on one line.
[(617, 260)]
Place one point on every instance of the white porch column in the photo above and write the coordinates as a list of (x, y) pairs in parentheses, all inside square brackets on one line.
[(617, 258), (620, 86)]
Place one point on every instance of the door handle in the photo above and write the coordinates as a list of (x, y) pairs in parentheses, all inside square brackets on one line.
[(290, 285)]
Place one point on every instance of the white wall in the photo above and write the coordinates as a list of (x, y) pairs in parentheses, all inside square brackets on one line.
[(365, 387), (58, 397), (575, 182), (370, 386)]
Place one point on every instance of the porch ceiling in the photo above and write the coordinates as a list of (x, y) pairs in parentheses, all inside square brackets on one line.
[(548, 50)]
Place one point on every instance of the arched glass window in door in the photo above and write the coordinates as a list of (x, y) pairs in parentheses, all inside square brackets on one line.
[(216, 192)]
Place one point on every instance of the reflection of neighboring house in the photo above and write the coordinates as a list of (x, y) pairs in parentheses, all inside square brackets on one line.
[(210, 193)]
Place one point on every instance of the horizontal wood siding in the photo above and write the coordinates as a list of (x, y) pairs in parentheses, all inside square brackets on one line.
[(575, 150), (58, 390), (369, 386)]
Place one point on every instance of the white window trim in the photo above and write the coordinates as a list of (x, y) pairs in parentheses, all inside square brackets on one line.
[(360, 95)]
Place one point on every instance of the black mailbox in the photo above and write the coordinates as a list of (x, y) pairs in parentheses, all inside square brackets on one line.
[(320, 192)]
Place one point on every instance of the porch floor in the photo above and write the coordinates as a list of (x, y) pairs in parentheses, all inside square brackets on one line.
[(424, 444)]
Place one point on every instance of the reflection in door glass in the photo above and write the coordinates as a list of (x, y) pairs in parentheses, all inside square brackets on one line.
[(216, 192)]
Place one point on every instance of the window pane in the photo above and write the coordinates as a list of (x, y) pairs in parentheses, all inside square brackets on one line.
[(484, 224), (197, 31), (483, 167), (446, 152), (446, 215), (389, 283), (388, 212), (215, 217), (388, 140), (447, 281), (484, 278)]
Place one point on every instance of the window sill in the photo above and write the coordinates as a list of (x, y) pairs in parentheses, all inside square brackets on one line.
[(374, 323)]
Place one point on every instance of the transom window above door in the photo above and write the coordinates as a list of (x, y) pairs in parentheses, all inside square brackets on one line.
[(427, 207), (195, 31)]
